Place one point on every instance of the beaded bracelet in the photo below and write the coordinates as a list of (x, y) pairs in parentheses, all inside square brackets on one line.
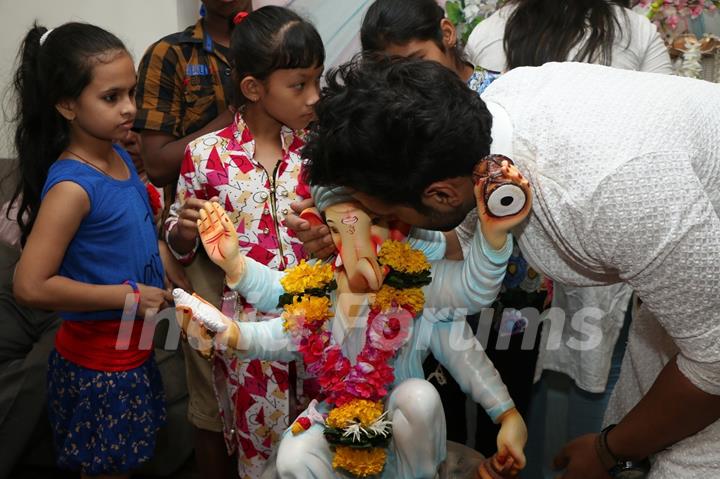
[(136, 290)]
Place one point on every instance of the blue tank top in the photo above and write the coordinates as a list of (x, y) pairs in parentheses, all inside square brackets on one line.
[(117, 240)]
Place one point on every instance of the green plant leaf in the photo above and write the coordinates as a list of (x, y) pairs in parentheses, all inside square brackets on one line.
[(454, 12)]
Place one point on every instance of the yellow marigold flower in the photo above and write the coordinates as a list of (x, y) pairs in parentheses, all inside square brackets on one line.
[(362, 410), (414, 298), (401, 257), (309, 308), (306, 276), (360, 462)]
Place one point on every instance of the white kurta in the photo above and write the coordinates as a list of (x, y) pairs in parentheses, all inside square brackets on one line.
[(637, 46), (625, 172)]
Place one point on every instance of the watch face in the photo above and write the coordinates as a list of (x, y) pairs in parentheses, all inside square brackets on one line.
[(630, 474), (630, 470)]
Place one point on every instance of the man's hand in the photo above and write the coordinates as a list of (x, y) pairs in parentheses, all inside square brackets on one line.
[(316, 239), (503, 197), (580, 460)]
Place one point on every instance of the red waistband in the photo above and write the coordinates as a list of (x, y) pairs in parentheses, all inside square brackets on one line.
[(102, 345)]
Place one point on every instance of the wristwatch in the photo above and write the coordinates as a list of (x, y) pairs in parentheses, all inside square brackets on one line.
[(619, 468)]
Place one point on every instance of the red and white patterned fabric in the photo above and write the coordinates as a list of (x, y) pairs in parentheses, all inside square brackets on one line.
[(254, 396)]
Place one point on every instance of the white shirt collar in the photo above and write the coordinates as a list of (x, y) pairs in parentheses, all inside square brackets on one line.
[(501, 131)]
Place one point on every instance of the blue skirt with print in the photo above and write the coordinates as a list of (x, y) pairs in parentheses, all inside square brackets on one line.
[(104, 422)]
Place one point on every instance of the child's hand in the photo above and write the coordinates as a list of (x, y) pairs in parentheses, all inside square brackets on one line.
[(187, 225), (152, 299), (220, 240), (503, 197), (315, 236)]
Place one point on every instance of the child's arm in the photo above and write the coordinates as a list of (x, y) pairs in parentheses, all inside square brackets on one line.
[(181, 231), (36, 282)]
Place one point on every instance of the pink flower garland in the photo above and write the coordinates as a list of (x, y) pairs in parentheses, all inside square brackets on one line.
[(371, 376)]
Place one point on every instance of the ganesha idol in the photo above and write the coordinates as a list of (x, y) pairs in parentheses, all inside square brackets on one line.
[(363, 325)]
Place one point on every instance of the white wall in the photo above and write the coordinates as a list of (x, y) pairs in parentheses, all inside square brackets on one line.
[(137, 22), (141, 22)]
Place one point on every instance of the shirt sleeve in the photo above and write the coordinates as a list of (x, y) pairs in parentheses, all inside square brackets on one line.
[(266, 340), (471, 284), (466, 230), (159, 93), (432, 243), (656, 58), (260, 285), (190, 185), (485, 45), (668, 250), (470, 367)]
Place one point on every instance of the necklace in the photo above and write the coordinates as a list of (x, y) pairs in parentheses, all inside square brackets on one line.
[(88, 163)]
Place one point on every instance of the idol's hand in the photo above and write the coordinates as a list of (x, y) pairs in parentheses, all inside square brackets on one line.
[(203, 324), (220, 240), (503, 197)]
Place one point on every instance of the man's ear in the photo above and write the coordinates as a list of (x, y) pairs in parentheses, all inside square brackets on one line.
[(449, 33), (446, 194), (66, 108), (252, 88)]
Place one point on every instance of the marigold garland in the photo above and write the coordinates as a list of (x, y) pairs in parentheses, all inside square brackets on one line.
[(401, 257), (356, 427), (306, 276), (306, 308), (360, 410), (360, 462), (388, 297)]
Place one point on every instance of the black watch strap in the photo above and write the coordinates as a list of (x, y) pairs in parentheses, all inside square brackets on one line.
[(607, 458)]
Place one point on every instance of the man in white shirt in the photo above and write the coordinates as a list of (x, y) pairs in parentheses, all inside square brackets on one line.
[(620, 195)]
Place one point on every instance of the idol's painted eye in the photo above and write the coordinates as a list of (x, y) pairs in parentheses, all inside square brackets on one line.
[(506, 200)]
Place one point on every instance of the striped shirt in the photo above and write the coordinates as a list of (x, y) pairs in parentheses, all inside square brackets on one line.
[(184, 82)]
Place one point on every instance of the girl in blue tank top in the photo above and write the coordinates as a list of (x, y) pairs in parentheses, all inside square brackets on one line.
[(90, 246)]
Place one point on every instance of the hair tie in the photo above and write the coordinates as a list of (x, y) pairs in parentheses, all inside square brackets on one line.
[(240, 17), (45, 35)]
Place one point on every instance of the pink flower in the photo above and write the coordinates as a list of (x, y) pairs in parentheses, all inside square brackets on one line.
[(312, 348), (673, 21), (389, 331), (696, 11)]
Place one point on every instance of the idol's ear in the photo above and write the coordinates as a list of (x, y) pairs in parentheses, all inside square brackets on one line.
[(312, 216)]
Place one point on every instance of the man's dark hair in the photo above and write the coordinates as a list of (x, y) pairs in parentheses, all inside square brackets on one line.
[(390, 127)]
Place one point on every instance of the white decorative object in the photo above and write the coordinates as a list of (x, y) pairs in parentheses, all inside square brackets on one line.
[(207, 314)]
